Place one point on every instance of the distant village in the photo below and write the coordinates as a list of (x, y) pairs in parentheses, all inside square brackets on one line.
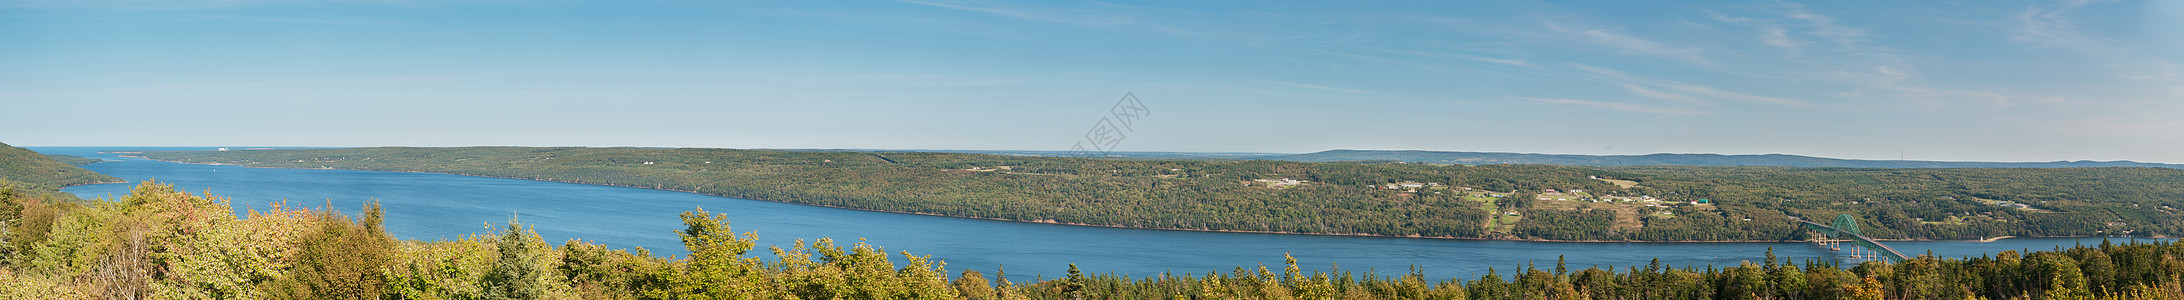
[(1636, 204), (1631, 210), (1559, 199)]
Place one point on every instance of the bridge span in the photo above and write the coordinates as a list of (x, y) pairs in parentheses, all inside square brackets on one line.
[(1846, 228)]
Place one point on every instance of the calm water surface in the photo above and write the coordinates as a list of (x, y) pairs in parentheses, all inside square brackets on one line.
[(425, 206)]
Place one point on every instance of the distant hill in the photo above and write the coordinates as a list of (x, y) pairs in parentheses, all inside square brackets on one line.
[(73, 160), (1336, 198), (32, 170), (1773, 160), (1045, 153)]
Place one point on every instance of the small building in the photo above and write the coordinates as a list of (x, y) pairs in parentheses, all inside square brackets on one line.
[(1280, 182)]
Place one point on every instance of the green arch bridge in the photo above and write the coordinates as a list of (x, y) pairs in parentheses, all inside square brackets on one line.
[(1847, 227)]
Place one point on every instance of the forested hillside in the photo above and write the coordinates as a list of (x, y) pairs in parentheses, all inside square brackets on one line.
[(1765, 160), (72, 159), (1944, 202), (1488, 201), (158, 243), (33, 171)]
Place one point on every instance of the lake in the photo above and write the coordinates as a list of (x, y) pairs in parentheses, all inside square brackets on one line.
[(426, 206)]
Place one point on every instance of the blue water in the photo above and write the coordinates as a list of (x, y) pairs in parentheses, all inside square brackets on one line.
[(424, 206)]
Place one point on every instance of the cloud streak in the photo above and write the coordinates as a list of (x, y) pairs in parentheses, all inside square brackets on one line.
[(1687, 93), (1088, 18), (1634, 45), (1720, 94), (2052, 27), (1628, 107), (1641, 91), (1846, 55), (1318, 87)]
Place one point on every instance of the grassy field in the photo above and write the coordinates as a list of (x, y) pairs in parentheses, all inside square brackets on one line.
[(1620, 183)]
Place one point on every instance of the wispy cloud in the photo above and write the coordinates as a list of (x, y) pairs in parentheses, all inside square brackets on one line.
[(1795, 29), (1430, 68), (880, 79), (1770, 34), (1477, 58), (2128, 125), (1077, 17), (1725, 18), (1778, 37), (202, 4), (1896, 83), (242, 86), (2052, 27), (2049, 26), (1689, 93), (1885, 75), (2161, 69), (1637, 108), (1718, 93), (1599, 70), (1825, 27), (1512, 62), (1843, 54), (1634, 45), (1641, 91), (325, 21), (1314, 86)]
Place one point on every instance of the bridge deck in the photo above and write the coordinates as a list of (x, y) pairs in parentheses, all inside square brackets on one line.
[(1861, 240)]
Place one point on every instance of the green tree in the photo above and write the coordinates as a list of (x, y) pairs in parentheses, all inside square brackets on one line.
[(522, 270), (973, 285), (716, 267)]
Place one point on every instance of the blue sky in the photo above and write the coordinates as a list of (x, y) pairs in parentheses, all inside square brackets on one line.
[(1933, 80)]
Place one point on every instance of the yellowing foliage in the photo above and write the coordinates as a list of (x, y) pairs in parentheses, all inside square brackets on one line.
[(159, 243)]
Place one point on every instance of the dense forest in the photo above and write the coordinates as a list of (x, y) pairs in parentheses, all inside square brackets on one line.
[(1742, 203), (43, 173), (72, 159), (1938, 202), (1775, 160), (159, 243)]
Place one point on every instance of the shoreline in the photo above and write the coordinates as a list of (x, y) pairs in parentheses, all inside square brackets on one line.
[(103, 182), (1051, 222)]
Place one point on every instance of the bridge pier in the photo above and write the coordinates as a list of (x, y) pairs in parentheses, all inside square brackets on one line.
[(1860, 247)]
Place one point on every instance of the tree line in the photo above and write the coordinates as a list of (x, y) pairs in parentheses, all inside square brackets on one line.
[(156, 242), (1749, 203), (41, 172)]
